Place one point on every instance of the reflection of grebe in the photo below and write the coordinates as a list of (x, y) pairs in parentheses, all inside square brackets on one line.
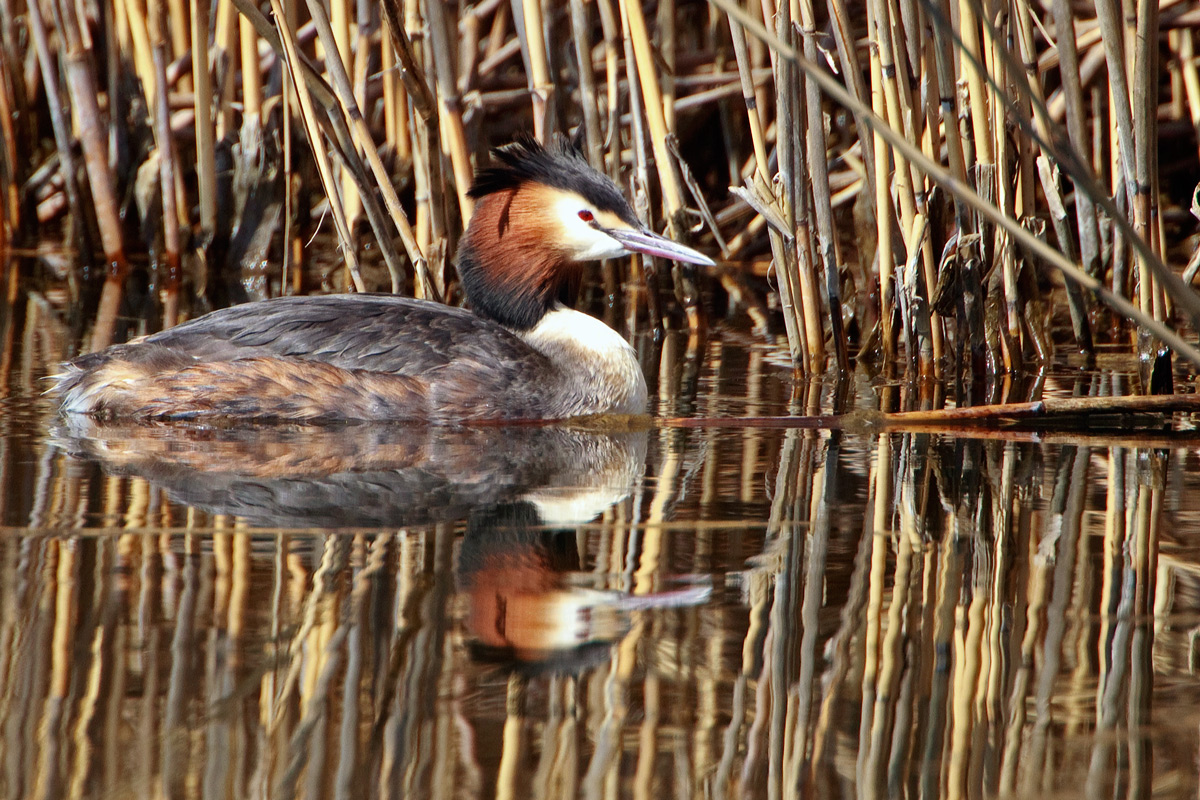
[(520, 355), (523, 602), (522, 491), (366, 475)]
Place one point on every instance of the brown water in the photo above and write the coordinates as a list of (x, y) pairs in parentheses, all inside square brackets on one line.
[(652, 611)]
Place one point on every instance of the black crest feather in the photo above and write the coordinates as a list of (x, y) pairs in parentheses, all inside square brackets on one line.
[(561, 166)]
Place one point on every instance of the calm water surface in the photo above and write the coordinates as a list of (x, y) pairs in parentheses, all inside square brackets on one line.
[(669, 609)]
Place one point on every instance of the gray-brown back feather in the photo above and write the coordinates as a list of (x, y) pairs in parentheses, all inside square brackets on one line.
[(372, 356)]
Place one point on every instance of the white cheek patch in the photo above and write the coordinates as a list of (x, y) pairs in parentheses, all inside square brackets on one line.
[(583, 241)]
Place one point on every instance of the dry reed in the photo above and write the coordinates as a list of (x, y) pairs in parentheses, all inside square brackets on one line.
[(873, 263)]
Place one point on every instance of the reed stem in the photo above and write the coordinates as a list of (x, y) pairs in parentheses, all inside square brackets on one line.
[(206, 165), (89, 121), (967, 97), (308, 116), (366, 145), (164, 143)]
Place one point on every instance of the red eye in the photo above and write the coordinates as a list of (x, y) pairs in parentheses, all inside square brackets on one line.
[(586, 215)]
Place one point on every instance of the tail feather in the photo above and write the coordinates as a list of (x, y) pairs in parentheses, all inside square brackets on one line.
[(105, 382)]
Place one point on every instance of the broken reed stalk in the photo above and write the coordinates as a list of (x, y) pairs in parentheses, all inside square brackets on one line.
[(1061, 263), (759, 194), (316, 88), (1080, 172), (652, 101), (925, 349), (793, 207), (1049, 178)]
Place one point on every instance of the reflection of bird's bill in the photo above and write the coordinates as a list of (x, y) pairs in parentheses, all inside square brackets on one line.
[(676, 598)]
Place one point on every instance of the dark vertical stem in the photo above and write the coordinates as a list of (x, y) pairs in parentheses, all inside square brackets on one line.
[(425, 104), (166, 162), (366, 147), (62, 132), (9, 216), (450, 104), (822, 206), (641, 175), (792, 203), (1145, 115), (1064, 28), (592, 139)]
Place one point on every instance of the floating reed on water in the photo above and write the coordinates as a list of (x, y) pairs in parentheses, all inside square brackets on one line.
[(902, 173)]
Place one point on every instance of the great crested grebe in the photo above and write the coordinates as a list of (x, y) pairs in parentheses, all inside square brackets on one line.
[(520, 355)]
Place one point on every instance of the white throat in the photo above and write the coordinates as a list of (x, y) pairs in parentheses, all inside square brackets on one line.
[(600, 367)]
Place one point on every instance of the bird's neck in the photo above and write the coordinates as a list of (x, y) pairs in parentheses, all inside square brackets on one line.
[(598, 366), (511, 269)]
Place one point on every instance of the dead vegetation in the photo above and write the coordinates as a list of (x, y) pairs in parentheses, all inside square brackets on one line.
[(931, 189)]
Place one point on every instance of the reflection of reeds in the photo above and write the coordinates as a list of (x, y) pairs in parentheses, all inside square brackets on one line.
[(918, 615), (1009, 113)]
